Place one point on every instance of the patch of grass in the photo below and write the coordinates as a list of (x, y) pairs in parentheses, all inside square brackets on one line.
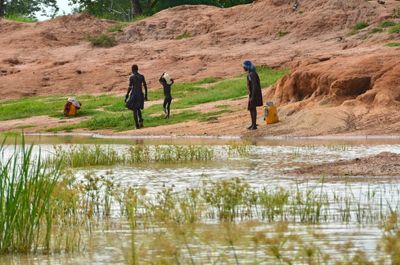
[(393, 44), (395, 29), (357, 27), (52, 106), (208, 80), (139, 17), (96, 155), (282, 33), (375, 30), (10, 134), (25, 126), (225, 89), (360, 25), (184, 35), (20, 18), (102, 40), (387, 24), (118, 27)]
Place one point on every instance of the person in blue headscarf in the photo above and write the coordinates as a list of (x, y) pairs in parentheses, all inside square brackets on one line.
[(254, 90)]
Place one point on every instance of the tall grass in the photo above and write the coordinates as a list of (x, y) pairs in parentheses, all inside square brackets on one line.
[(96, 155), (26, 185)]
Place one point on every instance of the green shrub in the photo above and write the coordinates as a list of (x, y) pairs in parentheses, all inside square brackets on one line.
[(102, 40)]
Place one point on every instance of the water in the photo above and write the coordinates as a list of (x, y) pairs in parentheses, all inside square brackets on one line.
[(267, 165)]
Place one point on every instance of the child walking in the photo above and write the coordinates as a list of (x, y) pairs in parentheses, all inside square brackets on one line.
[(166, 81)]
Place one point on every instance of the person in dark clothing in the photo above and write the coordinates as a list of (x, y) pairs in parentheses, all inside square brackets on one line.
[(254, 90), (134, 97), (166, 81)]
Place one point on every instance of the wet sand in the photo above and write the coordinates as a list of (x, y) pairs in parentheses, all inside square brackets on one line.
[(383, 164)]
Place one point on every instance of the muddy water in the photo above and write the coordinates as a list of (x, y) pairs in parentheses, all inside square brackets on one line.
[(265, 166)]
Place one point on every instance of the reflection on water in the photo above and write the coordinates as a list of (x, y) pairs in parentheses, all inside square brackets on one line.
[(265, 166)]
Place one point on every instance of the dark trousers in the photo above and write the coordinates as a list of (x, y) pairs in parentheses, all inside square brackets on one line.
[(253, 115), (137, 116), (167, 105)]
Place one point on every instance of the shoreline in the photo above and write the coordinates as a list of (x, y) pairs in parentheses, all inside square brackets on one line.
[(222, 137)]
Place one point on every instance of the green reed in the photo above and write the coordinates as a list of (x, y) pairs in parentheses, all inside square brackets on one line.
[(87, 156), (26, 186)]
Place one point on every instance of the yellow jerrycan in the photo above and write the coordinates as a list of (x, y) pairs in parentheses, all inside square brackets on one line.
[(271, 113)]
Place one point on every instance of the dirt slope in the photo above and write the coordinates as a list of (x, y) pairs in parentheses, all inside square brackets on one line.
[(340, 83)]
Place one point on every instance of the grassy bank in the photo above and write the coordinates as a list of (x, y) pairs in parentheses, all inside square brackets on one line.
[(109, 112)]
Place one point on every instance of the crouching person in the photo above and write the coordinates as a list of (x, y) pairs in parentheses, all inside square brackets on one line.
[(71, 107)]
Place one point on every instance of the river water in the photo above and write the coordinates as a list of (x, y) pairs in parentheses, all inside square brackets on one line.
[(268, 164)]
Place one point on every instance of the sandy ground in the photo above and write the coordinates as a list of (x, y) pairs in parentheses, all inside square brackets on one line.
[(340, 83), (384, 164)]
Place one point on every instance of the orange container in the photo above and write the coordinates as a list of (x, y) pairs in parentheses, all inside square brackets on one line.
[(272, 115)]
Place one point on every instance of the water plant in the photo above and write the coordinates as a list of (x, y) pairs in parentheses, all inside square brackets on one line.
[(220, 221), (26, 186), (96, 155)]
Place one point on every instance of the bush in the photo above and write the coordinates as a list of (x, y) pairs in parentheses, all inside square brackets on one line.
[(102, 40)]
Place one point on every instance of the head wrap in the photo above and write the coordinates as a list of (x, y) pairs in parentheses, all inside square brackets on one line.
[(249, 66)]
